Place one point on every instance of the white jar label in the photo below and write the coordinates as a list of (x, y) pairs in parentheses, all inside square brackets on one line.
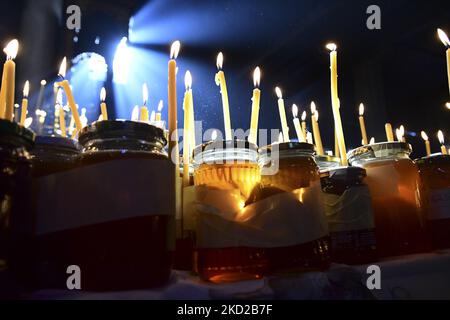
[(439, 204)]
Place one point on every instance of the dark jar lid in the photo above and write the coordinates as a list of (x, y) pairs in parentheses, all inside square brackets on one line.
[(337, 180), (435, 159), (288, 146), (123, 129), (11, 133), (61, 143)]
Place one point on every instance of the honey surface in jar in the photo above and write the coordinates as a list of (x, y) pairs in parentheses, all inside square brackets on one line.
[(435, 190), (228, 169), (393, 180)]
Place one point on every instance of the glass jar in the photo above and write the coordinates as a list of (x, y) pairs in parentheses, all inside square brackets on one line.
[(225, 173), (53, 154), (349, 214), (393, 180), (118, 223), (435, 191), (297, 174), (326, 162), (15, 187)]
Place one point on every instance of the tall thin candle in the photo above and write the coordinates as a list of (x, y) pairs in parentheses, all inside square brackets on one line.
[(362, 125), (220, 81), (282, 111), (172, 98), (427, 142), (8, 81), (316, 129), (255, 106), (26, 91), (70, 99)]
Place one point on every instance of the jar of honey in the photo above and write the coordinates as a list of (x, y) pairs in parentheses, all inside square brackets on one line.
[(435, 190), (393, 180), (306, 228), (349, 214), (113, 214), (225, 173), (53, 154), (15, 189)]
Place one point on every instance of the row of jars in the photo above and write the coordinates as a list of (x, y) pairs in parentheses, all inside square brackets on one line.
[(383, 205)]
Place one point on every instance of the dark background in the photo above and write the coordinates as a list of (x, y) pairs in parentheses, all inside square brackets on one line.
[(399, 72)]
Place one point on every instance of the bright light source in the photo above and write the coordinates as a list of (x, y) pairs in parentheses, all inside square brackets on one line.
[(121, 62)]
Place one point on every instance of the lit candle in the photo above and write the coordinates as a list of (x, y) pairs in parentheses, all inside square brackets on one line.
[(443, 36), (62, 115), (103, 109), (442, 142), (135, 114), (316, 129), (187, 124), (41, 94), (389, 132), (403, 131), (172, 93), (399, 134), (335, 103), (362, 125), (158, 116), (284, 125), (143, 114), (220, 81), (255, 107), (152, 116), (8, 81), (427, 142), (70, 99), (372, 140), (280, 138), (447, 105), (309, 138), (26, 91), (298, 128), (304, 124)]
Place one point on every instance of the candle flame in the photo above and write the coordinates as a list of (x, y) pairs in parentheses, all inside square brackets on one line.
[(361, 110), (28, 122), (402, 130), (160, 105), (440, 136), (145, 93), (175, 49), (257, 77), (331, 46), (313, 107), (63, 68), (59, 97), (372, 140), (135, 113), (316, 115), (188, 80), (399, 134), (43, 82), (280, 138), (103, 94), (279, 93), (153, 116), (219, 61), (214, 135), (424, 135), (26, 89), (447, 105), (443, 37), (11, 49), (304, 116), (295, 110)]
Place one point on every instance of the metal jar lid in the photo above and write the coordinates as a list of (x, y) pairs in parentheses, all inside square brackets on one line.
[(288, 146), (225, 145), (58, 142), (117, 129), (379, 150), (14, 134)]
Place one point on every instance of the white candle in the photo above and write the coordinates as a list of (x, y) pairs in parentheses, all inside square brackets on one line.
[(304, 115), (220, 81), (316, 129), (297, 126), (362, 125), (282, 111), (26, 91)]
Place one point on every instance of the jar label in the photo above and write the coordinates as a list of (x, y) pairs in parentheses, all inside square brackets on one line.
[(439, 204), (104, 192), (283, 220)]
